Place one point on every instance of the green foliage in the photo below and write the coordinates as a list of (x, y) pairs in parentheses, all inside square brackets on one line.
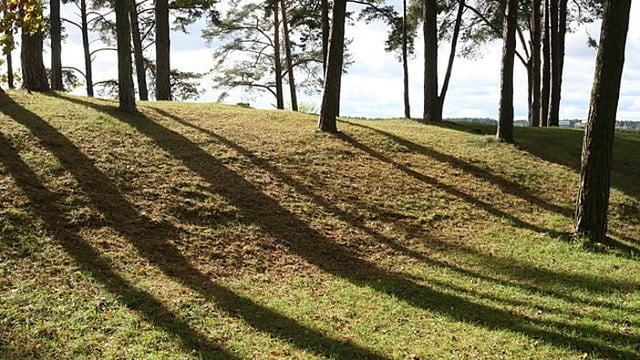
[(25, 15)]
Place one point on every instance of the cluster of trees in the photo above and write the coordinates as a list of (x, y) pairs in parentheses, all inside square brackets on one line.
[(259, 44)]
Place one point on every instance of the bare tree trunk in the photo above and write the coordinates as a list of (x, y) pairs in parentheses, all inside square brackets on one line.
[(34, 74), (505, 121), (56, 46), (10, 81), (126, 92), (405, 61), (163, 51), (326, 29), (287, 45), (331, 91), (276, 57), (534, 90), (430, 27), (452, 56), (84, 28), (545, 92), (138, 55), (597, 148)]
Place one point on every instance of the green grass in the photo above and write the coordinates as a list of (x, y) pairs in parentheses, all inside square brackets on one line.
[(209, 231)]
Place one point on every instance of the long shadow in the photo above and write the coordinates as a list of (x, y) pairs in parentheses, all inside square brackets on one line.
[(151, 239), (44, 202), (521, 271), (437, 184), (317, 249), (564, 147), (506, 186)]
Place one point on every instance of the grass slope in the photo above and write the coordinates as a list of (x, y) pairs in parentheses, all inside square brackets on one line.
[(210, 231)]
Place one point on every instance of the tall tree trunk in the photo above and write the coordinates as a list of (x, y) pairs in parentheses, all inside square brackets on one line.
[(34, 74), (126, 91), (595, 176), (405, 61), (452, 56), (56, 46), (430, 27), (326, 29), (545, 91), (505, 121), (276, 57), (138, 56), (331, 91), (163, 51), (10, 81), (534, 90), (558, 18), (287, 49), (84, 28)]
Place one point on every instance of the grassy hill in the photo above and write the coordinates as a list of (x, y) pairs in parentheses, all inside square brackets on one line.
[(210, 231)]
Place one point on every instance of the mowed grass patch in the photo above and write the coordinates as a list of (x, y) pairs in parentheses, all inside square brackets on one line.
[(220, 232)]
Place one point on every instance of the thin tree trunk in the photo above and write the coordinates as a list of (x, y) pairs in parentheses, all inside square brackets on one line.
[(56, 46), (331, 91), (557, 62), (505, 121), (163, 51), (554, 103), (88, 71), (126, 91), (452, 56), (597, 148), (405, 61), (545, 91), (287, 46), (138, 56), (326, 29), (431, 99), (10, 81), (534, 103), (276, 57), (34, 74)]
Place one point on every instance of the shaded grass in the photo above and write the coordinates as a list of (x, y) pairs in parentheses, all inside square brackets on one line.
[(219, 232)]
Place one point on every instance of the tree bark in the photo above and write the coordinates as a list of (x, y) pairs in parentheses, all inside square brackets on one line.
[(126, 91), (326, 29), (331, 92), (88, 68), (534, 68), (545, 91), (276, 57), (289, 59), (430, 27), (138, 56), (10, 81), (163, 51), (34, 74), (558, 29), (505, 121), (56, 46), (595, 176), (405, 61), (452, 56)]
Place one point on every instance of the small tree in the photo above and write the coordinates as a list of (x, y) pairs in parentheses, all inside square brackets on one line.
[(595, 176)]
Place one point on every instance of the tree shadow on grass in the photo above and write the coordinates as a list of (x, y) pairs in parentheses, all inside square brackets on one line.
[(44, 202), (263, 211), (151, 240), (506, 186), (516, 269)]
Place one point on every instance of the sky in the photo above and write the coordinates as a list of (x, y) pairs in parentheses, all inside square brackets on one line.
[(372, 87)]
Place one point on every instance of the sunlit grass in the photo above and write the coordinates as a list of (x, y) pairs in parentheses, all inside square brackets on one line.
[(212, 231)]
